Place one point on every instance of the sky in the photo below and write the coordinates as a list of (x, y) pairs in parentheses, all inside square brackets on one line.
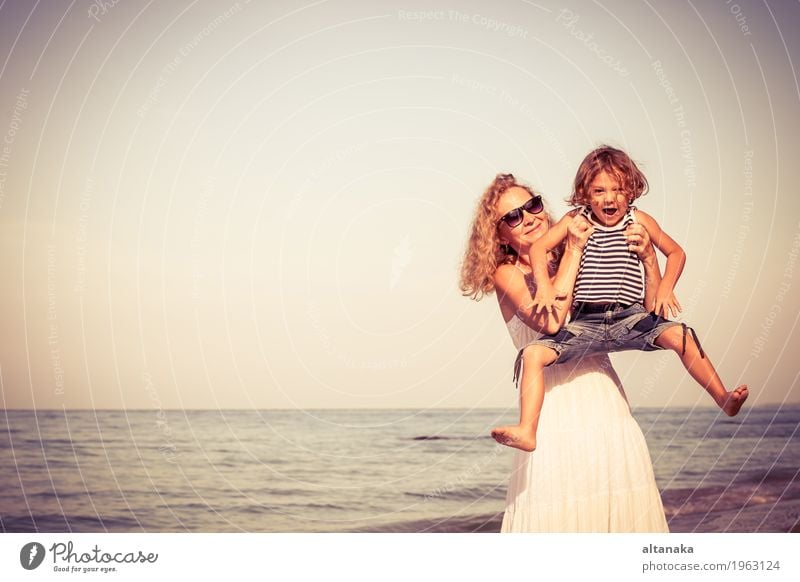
[(265, 204)]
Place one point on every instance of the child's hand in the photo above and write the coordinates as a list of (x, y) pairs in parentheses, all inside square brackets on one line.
[(666, 303), (545, 300)]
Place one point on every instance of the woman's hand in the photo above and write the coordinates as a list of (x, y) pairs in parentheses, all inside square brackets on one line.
[(639, 242), (578, 232), (546, 298), (666, 302)]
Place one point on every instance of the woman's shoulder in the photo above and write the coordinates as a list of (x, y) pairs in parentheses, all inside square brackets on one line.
[(508, 272), (507, 278), (510, 277), (513, 285)]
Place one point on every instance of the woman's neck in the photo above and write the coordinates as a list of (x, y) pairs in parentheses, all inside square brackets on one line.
[(522, 263)]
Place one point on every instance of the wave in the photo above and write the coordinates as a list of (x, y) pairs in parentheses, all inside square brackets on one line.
[(463, 494), (704, 500), (58, 523), (306, 506), (437, 437), (485, 523), (779, 475)]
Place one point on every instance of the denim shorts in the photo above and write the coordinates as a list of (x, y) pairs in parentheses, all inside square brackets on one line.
[(617, 330)]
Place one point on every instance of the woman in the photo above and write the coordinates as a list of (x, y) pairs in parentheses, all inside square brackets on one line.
[(591, 470)]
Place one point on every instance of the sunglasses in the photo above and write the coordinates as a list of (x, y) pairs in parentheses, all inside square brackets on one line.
[(514, 217)]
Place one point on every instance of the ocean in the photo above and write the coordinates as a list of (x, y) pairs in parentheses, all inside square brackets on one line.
[(343, 470)]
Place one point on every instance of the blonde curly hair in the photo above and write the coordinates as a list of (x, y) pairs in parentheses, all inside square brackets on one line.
[(484, 253)]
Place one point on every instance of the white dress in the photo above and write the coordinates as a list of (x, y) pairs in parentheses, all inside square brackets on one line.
[(591, 470)]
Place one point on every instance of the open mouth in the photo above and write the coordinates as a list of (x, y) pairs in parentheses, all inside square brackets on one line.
[(609, 211)]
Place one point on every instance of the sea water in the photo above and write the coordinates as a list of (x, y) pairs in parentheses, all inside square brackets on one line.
[(339, 470)]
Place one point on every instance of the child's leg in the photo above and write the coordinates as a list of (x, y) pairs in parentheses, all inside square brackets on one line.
[(531, 395), (677, 339)]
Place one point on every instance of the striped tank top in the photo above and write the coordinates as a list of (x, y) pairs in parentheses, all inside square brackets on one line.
[(609, 272)]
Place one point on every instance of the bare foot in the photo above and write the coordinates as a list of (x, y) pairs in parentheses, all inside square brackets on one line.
[(735, 400), (515, 436)]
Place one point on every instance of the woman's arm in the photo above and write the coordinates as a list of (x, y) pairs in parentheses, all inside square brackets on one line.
[(665, 301), (639, 242), (515, 299)]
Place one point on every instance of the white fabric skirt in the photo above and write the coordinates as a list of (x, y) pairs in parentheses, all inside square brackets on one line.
[(591, 470)]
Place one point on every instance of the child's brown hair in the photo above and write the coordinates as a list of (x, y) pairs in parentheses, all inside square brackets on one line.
[(613, 161)]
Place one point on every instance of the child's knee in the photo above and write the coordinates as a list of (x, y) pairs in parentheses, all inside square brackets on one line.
[(680, 338), (670, 339), (538, 356)]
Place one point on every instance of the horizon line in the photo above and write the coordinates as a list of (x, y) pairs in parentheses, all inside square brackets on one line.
[(63, 409)]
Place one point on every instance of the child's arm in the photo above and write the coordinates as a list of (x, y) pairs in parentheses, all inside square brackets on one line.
[(512, 289), (578, 232), (546, 293), (665, 301)]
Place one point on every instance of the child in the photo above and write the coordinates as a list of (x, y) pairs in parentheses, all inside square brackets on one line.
[(608, 312)]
